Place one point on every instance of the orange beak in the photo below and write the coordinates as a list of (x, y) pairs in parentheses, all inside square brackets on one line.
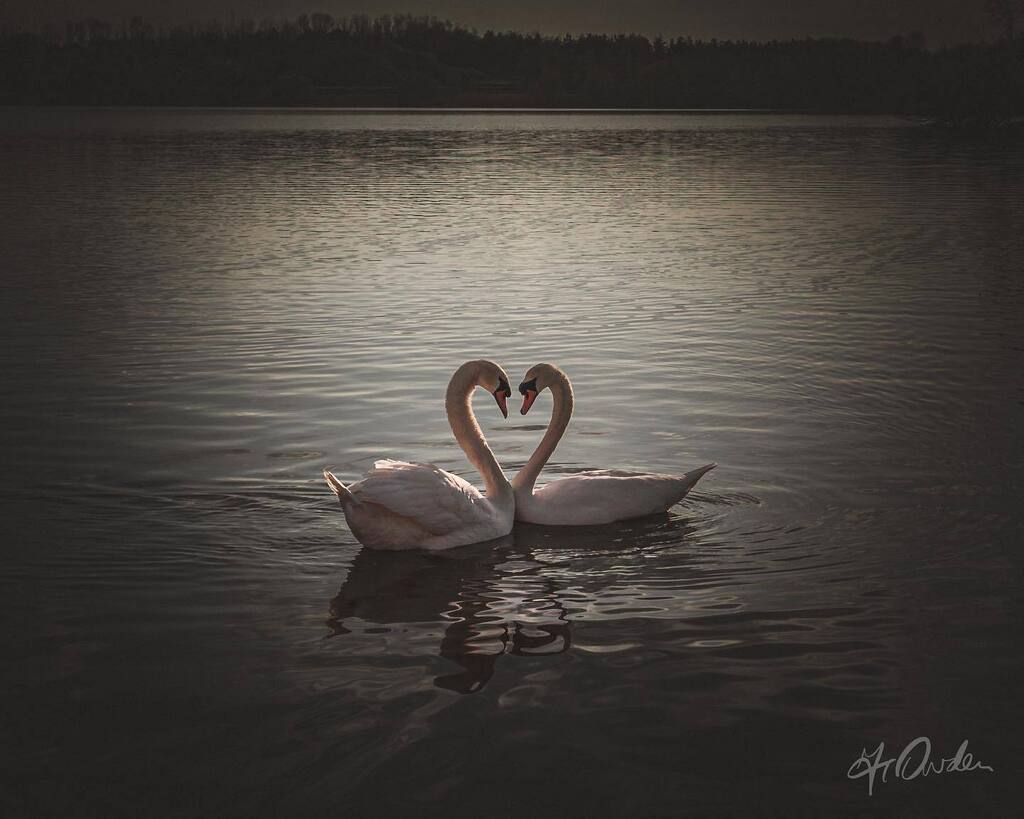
[(528, 398), (501, 397)]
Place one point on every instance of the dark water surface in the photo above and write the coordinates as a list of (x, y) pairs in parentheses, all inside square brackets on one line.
[(203, 309)]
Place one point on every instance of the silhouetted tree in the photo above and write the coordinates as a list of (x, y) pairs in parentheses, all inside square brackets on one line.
[(321, 23), (1006, 14), (422, 60)]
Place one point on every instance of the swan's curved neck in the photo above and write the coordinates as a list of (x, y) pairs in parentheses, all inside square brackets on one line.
[(561, 412), (458, 405)]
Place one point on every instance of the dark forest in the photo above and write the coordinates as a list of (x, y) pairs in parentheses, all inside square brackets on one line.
[(317, 60)]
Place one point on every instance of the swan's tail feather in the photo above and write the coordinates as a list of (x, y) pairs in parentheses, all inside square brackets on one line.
[(695, 475), (338, 488), (699, 472)]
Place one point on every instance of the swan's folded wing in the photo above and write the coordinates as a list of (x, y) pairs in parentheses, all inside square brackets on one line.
[(609, 483), (437, 500), (615, 473)]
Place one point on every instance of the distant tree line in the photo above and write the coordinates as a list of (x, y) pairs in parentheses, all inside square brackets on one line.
[(404, 60)]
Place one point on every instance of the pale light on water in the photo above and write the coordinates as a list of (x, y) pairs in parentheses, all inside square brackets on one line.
[(203, 309)]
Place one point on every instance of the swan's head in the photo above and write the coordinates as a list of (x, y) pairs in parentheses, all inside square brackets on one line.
[(495, 380), (537, 379)]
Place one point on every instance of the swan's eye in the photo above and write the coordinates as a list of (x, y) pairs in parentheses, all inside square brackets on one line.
[(503, 387), (528, 386)]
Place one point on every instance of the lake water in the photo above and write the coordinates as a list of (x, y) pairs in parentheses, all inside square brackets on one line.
[(203, 309)]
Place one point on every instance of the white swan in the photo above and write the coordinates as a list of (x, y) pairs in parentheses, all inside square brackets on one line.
[(600, 496), (400, 505)]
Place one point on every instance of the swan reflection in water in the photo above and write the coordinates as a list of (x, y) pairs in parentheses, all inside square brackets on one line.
[(506, 597)]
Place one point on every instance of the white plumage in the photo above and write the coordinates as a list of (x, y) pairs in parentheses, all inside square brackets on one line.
[(605, 496), (401, 505), (588, 498)]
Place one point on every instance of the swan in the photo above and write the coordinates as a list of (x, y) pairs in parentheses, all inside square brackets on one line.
[(399, 505), (596, 497)]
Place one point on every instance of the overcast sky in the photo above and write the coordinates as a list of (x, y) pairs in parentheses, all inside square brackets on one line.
[(942, 21)]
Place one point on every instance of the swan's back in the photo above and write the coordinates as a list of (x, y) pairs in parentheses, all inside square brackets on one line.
[(437, 500), (606, 495), (402, 505)]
